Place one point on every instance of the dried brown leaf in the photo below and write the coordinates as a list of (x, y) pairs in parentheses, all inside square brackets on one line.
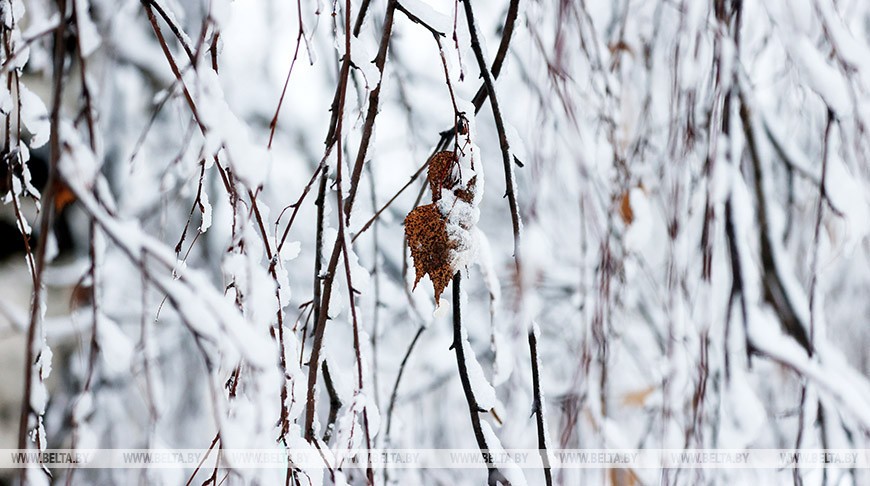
[(63, 196), (426, 231), (440, 174)]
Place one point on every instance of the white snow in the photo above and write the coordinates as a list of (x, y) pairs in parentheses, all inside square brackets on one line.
[(511, 470), (822, 78), (116, 349), (34, 116), (426, 12)]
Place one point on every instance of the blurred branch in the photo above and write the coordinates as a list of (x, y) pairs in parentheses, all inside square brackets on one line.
[(775, 292), (34, 345), (334, 403), (395, 391)]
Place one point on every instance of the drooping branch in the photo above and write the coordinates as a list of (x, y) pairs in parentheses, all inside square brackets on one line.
[(228, 183), (395, 392), (474, 409)]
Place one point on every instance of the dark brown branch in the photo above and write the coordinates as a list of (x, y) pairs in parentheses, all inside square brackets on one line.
[(317, 344), (318, 247), (395, 393), (9, 63), (204, 457), (372, 113), (419, 21), (344, 208), (474, 410), (360, 17), (498, 62), (330, 136), (176, 31), (341, 240), (86, 91), (388, 203), (792, 165), (230, 190), (171, 60), (298, 203), (818, 226), (357, 343), (94, 350), (737, 288), (12, 155), (538, 406)]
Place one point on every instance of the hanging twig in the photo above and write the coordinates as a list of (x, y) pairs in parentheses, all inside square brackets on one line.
[(300, 36), (474, 410)]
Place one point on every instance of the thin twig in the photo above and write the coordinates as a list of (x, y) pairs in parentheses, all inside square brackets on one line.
[(388, 203), (300, 36), (395, 393)]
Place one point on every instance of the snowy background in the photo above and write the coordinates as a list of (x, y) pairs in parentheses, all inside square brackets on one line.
[(689, 249)]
